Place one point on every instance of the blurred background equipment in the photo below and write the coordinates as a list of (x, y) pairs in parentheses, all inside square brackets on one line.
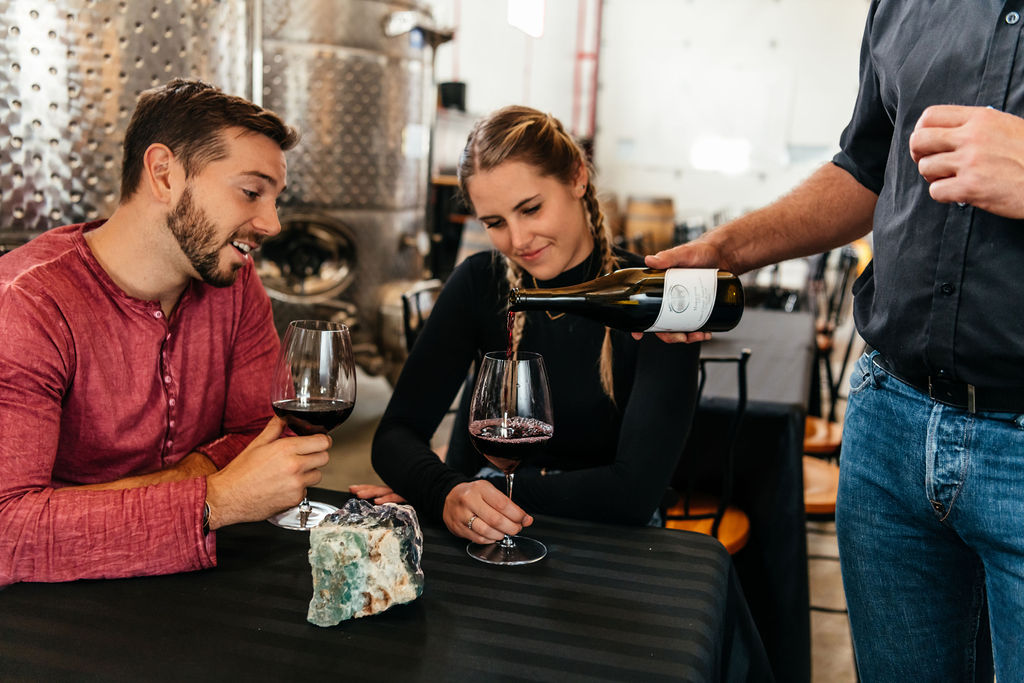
[(355, 77)]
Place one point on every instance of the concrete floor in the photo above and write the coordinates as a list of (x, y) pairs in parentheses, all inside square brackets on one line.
[(832, 654)]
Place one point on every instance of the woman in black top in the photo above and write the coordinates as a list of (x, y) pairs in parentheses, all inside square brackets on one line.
[(622, 407)]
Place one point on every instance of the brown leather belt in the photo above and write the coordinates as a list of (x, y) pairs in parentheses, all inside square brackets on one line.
[(968, 397)]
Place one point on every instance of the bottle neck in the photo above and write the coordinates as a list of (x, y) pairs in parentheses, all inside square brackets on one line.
[(541, 299)]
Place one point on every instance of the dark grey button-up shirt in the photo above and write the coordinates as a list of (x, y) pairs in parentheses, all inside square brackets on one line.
[(945, 292)]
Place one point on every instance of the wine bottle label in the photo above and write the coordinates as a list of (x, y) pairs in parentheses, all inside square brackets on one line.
[(687, 300)]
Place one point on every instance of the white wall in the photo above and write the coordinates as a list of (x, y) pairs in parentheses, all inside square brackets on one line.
[(778, 76), (501, 64)]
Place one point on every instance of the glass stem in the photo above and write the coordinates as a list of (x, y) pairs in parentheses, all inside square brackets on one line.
[(304, 509), (507, 543)]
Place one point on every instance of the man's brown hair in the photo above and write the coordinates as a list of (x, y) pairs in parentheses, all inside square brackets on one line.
[(189, 116)]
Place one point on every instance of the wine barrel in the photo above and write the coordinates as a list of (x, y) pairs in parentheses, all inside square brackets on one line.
[(650, 223)]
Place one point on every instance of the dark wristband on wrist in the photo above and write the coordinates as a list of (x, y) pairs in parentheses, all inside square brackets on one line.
[(206, 518)]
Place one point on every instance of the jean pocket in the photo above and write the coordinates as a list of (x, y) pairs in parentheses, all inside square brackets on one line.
[(861, 376)]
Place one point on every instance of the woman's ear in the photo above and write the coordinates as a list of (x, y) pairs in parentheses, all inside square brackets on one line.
[(580, 180)]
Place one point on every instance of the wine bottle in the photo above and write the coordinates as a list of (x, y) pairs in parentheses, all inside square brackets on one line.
[(646, 300)]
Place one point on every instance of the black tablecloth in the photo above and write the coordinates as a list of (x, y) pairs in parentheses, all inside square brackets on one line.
[(768, 473), (611, 603)]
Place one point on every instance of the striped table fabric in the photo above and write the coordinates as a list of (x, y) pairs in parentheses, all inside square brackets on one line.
[(607, 603)]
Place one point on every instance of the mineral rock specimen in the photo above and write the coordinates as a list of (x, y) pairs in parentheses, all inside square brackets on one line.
[(365, 558)]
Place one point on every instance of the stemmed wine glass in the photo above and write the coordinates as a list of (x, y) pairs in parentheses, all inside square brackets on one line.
[(510, 420), (314, 391)]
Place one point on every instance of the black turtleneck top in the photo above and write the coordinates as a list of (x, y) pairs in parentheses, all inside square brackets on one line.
[(611, 461)]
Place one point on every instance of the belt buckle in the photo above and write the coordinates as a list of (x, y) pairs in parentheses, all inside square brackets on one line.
[(944, 391)]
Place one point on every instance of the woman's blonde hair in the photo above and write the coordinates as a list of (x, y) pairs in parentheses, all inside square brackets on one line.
[(530, 136)]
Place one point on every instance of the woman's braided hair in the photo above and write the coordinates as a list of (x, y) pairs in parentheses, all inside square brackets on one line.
[(530, 136)]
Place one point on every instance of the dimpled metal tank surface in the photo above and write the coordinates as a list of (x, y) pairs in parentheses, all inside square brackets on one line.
[(70, 74)]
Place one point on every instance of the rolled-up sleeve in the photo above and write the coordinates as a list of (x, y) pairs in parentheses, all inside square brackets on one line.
[(864, 144)]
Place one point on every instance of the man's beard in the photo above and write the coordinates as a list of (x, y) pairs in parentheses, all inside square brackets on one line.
[(197, 237)]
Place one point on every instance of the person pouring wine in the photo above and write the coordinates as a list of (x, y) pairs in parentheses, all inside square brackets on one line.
[(622, 408)]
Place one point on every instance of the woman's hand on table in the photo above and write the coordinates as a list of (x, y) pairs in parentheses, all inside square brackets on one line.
[(271, 474), (492, 513), (379, 494)]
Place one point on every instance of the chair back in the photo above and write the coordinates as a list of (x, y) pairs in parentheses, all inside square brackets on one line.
[(417, 303), (832, 285), (732, 437), (841, 270)]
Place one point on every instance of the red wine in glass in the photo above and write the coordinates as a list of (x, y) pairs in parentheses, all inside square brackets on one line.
[(507, 445), (314, 391), (313, 416), (510, 420)]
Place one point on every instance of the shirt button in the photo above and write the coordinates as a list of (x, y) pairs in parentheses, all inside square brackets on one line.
[(167, 379), (171, 423), (158, 314), (170, 402), (947, 288), (169, 443), (1012, 18)]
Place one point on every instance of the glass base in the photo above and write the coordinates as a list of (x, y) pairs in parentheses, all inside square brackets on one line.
[(289, 519), (522, 551)]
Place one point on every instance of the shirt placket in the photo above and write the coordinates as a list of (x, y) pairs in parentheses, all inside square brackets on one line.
[(956, 231), (170, 385)]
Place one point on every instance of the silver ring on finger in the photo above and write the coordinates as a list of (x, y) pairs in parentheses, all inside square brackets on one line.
[(469, 524)]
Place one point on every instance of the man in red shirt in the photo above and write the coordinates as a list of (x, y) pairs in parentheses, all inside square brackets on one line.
[(136, 356)]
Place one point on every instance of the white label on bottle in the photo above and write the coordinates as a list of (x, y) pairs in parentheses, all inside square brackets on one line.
[(687, 300)]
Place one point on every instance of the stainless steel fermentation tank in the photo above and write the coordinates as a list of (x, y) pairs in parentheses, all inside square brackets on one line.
[(354, 76)]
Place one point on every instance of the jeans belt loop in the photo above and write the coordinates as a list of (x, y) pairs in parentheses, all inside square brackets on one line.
[(876, 367)]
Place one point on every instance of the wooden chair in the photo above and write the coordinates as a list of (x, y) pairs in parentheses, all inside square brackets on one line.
[(821, 484), (822, 437), (829, 286), (823, 433), (417, 303), (704, 513)]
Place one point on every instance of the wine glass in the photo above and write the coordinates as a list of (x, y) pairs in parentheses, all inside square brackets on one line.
[(510, 420), (314, 391)]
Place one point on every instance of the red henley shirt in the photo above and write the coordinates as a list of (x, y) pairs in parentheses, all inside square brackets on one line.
[(95, 386)]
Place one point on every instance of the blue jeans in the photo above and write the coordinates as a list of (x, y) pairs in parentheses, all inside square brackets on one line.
[(930, 521)]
